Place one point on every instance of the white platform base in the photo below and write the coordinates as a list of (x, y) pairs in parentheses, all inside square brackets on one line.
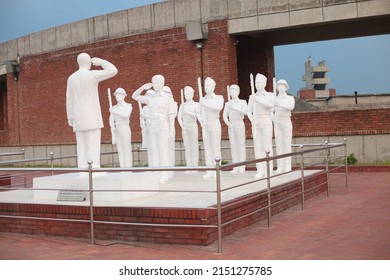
[(104, 184), (186, 185)]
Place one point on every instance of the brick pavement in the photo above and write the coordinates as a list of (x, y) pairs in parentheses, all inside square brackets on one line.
[(350, 224)]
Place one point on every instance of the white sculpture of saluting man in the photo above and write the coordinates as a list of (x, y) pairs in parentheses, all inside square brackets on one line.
[(83, 107)]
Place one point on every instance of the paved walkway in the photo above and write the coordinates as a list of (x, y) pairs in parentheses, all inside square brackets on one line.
[(351, 224)]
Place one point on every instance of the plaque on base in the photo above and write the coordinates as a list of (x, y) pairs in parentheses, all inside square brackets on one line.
[(72, 195)]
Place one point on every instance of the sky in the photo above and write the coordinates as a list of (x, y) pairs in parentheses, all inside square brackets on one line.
[(359, 64)]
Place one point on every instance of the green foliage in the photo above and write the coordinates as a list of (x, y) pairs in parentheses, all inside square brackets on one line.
[(351, 159)]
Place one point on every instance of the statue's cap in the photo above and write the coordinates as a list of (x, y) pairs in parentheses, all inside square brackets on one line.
[(235, 87), (281, 81), (260, 78), (120, 91)]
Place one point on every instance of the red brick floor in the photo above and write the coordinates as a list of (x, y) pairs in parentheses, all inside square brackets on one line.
[(351, 224)]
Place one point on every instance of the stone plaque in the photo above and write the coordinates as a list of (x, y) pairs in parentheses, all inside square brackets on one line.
[(72, 195)]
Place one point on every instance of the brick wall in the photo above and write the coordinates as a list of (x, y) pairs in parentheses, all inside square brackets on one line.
[(36, 103), (346, 122)]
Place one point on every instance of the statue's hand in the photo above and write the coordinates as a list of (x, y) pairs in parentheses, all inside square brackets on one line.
[(70, 122), (147, 86), (97, 61)]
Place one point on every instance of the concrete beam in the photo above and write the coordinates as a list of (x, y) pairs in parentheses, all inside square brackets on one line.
[(80, 32), (308, 16), (272, 21), (245, 24), (186, 11), (304, 4), (118, 25), (24, 46), (340, 12), (101, 27), (163, 15), (12, 52), (36, 42), (140, 19), (373, 8), (266, 7), (336, 2), (213, 9), (49, 42), (3, 52), (238, 8), (64, 35)]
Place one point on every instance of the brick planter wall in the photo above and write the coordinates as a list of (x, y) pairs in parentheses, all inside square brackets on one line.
[(192, 218)]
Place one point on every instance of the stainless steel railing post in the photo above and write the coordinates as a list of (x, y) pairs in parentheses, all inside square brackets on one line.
[(346, 162), (219, 202), (51, 155), (268, 187), (91, 218), (327, 167), (302, 178)]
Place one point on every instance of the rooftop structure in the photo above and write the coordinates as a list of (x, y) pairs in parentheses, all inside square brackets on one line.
[(315, 81)]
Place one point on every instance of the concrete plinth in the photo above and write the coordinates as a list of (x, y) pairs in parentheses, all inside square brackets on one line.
[(107, 186)]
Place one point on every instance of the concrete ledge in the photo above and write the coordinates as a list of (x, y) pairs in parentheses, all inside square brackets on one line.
[(340, 12), (36, 42), (307, 16), (80, 32), (163, 15), (243, 25), (140, 20), (264, 7), (239, 8), (118, 25), (186, 11), (274, 21), (373, 8), (64, 35), (101, 27), (214, 9)]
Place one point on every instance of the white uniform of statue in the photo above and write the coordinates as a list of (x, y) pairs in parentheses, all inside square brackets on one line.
[(145, 126), (161, 110), (189, 113), (172, 116), (83, 107), (233, 115), (120, 120), (211, 106), (260, 108), (284, 104)]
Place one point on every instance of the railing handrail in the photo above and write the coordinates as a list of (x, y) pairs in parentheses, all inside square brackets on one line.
[(51, 156), (12, 154)]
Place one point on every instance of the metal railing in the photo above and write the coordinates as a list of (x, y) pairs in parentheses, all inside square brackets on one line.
[(325, 165)]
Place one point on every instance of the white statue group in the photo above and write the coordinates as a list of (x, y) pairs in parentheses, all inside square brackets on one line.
[(267, 112)]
